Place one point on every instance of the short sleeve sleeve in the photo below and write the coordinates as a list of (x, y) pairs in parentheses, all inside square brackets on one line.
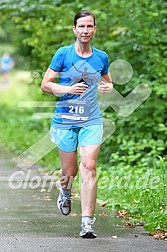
[(106, 65), (57, 60)]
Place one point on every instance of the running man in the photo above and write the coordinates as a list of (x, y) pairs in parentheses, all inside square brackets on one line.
[(77, 122)]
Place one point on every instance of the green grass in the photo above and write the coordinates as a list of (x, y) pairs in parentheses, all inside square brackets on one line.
[(16, 90), (140, 191), (6, 48), (18, 129)]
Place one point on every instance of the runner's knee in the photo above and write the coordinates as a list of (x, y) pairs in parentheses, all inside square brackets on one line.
[(89, 166)]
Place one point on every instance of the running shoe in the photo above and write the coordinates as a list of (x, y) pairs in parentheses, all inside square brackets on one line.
[(87, 229), (64, 203)]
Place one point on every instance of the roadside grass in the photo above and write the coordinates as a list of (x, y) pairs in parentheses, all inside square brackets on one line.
[(18, 128), (138, 194), (16, 90)]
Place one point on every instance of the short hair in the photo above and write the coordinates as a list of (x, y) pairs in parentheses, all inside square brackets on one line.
[(83, 13)]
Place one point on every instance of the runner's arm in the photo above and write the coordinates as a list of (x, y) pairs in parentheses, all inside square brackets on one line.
[(49, 86)]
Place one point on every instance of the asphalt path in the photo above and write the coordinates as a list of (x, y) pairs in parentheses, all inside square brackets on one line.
[(30, 221)]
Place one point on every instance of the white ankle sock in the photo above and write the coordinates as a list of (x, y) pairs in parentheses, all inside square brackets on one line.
[(86, 219)]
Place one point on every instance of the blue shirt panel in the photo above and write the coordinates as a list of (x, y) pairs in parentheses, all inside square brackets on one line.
[(73, 68)]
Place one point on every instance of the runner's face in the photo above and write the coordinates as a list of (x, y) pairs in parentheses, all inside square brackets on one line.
[(84, 29)]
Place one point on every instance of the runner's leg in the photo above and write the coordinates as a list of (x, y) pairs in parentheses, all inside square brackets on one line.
[(69, 168), (89, 155)]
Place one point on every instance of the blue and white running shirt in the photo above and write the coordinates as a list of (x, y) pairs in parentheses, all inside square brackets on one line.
[(74, 111)]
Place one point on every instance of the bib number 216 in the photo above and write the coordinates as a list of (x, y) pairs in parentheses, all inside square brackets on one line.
[(76, 109)]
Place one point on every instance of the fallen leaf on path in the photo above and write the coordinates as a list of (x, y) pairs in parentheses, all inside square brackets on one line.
[(122, 214), (159, 235), (129, 225), (141, 223), (114, 236), (102, 214), (74, 214), (103, 204)]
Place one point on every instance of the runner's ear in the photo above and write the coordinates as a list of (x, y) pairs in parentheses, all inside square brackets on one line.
[(74, 29)]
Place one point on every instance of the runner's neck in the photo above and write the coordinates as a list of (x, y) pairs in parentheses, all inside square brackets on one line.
[(83, 50)]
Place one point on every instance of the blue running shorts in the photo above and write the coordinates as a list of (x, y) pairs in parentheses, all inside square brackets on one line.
[(68, 139)]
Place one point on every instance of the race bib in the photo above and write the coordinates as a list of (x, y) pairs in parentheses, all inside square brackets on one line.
[(75, 110)]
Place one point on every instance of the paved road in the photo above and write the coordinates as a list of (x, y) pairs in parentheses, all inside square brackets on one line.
[(29, 221)]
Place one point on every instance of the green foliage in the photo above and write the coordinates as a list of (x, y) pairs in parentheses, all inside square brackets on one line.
[(134, 31), (18, 128), (11, 42), (141, 191), (23, 132)]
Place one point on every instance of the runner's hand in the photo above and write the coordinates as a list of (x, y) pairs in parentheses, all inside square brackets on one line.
[(105, 87), (78, 88)]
